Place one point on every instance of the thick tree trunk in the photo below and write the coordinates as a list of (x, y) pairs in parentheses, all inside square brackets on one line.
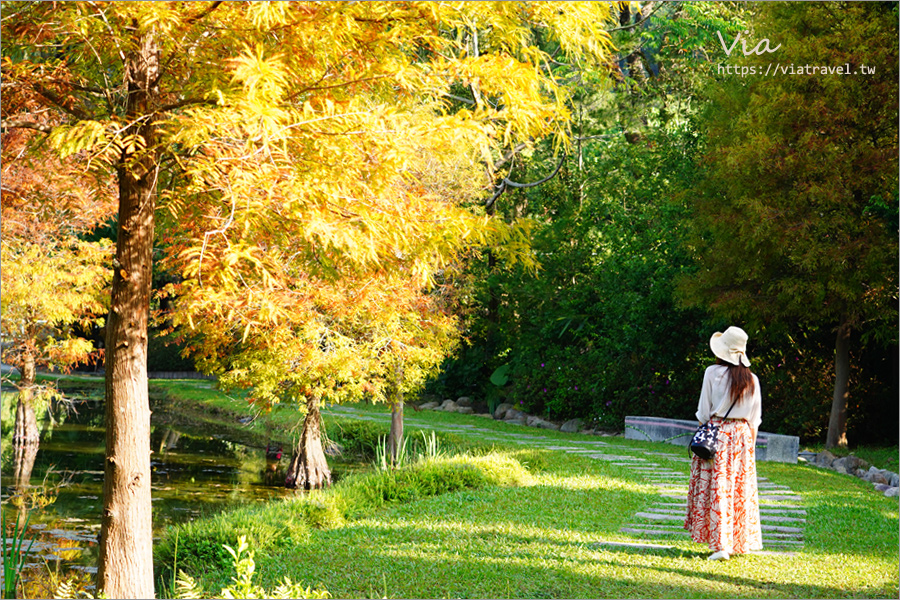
[(26, 431), (837, 423), (125, 568), (309, 468), (395, 438)]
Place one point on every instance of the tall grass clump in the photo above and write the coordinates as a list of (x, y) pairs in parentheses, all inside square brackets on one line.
[(281, 524)]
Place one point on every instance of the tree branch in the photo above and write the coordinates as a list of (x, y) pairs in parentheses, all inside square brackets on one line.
[(633, 25), (506, 182), (185, 102), (22, 124), (55, 99), (204, 14)]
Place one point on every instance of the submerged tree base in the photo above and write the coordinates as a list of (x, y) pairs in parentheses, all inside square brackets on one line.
[(309, 468)]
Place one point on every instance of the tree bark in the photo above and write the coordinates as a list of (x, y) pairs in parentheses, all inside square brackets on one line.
[(25, 455), (395, 438), (309, 467), (26, 431), (837, 422), (125, 568)]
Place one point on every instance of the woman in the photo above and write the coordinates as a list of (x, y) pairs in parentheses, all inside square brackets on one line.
[(723, 499)]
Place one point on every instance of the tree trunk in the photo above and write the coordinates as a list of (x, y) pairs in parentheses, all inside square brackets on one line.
[(26, 431), (837, 423), (125, 568), (309, 468), (395, 438), (25, 455)]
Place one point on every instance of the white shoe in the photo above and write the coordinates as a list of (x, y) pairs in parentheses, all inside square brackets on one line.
[(720, 555)]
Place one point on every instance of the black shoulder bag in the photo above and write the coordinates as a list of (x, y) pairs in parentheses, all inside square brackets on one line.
[(705, 440)]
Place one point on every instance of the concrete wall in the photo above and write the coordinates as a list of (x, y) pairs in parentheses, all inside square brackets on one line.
[(769, 446)]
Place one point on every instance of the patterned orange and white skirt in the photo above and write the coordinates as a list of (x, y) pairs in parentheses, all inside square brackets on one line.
[(723, 497)]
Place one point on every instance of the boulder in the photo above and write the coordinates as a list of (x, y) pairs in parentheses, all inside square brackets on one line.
[(532, 421), (513, 414), (449, 406), (515, 421), (465, 410), (876, 476), (892, 492), (464, 401), (882, 487), (848, 464), (571, 426), (547, 425), (894, 480), (429, 405), (500, 411), (824, 459)]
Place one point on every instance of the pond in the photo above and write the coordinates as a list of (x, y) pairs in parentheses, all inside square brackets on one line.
[(196, 471)]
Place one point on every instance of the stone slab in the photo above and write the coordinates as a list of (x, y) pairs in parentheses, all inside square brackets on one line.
[(635, 545), (769, 446), (653, 516)]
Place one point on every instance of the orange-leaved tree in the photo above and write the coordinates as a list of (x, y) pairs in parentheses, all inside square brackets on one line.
[(54, 281), (291, 144)]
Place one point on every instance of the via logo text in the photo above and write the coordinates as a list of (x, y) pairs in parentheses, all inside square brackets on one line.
[(759, 49)]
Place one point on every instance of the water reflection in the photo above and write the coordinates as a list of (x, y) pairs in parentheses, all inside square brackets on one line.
[(196, 471)]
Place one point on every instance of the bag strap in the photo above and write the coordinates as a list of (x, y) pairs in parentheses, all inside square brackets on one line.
[(729, 410)]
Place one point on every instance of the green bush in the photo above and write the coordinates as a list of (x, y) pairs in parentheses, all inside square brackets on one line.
[(200, 545), (357, 437)]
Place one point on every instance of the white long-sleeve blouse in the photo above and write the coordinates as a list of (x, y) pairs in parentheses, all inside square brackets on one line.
[(715, 398)]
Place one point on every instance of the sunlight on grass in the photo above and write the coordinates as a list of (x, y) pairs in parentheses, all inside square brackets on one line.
[(539, 535)]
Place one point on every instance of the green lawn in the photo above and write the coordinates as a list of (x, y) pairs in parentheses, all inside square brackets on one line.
[(541, 538)]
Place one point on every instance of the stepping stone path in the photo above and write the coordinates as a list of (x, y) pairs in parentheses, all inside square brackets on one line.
[(782, 515)]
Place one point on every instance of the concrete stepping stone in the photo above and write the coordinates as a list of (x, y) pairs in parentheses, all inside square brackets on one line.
[(781, 528), (616, 457), (652, 531), (653, 516), (636, 545)]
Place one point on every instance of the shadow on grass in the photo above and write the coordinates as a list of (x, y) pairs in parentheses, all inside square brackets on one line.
[(402, 560)]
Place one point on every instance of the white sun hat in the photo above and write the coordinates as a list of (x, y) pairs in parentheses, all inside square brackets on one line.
[(731, 346)]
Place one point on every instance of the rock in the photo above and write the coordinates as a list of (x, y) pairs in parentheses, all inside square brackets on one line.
[(500, 411), (876, 476), (532, 421), (464, 401), (895, 480), (571, 426), (429, 405), (449, 406), (824, 459), (848, 464), (513, 414), (882, 487), (840, 468), (516, 421), (465, 410), (892, 492), (548, 425)]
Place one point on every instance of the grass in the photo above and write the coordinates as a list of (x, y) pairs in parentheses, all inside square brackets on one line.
[(534, 535), (537, 537), (538, 540)]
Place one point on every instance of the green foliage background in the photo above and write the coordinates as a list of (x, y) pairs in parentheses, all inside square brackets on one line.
[(641, 252)]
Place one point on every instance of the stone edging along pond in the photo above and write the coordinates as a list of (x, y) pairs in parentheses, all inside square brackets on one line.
[(884, 481)]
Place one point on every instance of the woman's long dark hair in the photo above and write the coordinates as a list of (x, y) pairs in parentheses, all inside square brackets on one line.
[(741, 380)]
